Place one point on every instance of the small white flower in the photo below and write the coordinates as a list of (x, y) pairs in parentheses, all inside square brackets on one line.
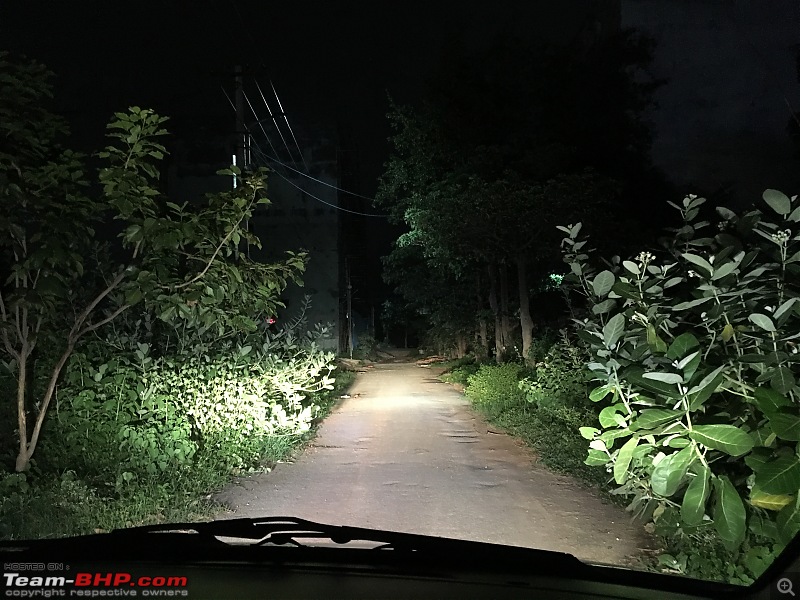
[(693, 274)]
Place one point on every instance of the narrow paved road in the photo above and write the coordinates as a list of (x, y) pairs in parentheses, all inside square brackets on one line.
[(408, 454)]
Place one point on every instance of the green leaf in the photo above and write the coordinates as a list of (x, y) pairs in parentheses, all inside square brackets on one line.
[(631, 266), (670, 471), (727, 332), (596, 458), (788, 522), (763, 321), (624, 460), (690, 304), (651, 418), (770, 401), (780, 476), (682, 345), (602, 283), (654, 341), (724, 270), (613, 330), (784, 307), (778, 201), (727, 438), (603, 307), (766, 501), (729, 514), (693, 506), (607, 418), (785, 426), (598, 445), (670, 378), (698, 261), (588, 433), (782, 380), (599, 393)]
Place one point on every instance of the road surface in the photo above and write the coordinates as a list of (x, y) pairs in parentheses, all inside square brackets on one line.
[(407, 453)]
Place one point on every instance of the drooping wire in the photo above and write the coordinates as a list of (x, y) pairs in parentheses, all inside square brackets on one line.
[(320, 181), (310, 195), (272, 158)]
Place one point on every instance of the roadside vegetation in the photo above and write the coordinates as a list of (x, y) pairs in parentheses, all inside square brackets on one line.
[(675, 390), (139, 356)]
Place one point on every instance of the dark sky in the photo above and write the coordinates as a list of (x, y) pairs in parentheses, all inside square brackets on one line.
[(332, 60)]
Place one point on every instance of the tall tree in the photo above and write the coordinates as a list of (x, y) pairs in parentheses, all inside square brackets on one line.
[(65, 280)]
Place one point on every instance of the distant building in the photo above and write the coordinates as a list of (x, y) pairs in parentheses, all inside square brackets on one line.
[(724, 119)]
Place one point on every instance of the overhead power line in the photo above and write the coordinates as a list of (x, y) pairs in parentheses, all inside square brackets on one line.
[(318, 199), (273, 158)]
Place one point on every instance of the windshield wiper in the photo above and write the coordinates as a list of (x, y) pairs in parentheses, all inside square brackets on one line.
[(281, 531), (278, 531)]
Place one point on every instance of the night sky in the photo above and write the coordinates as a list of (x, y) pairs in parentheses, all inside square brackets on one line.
[(332, 61)]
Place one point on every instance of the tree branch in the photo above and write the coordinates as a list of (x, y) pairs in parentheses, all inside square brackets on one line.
[(102, 322), (218, 249), (75, 332)]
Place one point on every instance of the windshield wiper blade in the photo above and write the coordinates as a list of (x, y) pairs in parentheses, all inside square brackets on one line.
[(286, 530)]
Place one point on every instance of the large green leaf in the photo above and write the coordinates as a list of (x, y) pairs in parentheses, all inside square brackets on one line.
[(788, 521), (596, 458), (698, 261), (782, 380), (682, 345), (691, 303), (778, 201), (623, 461), (770, 401), (786, 426), (613, 330), (694, 500), (728, 438), (654, 340), (729, 513), (766, 501), (670, 471), (634, 375), (780, 476), (651, 418), (606, 416), (669, 378), (763, 321), (602, 283)]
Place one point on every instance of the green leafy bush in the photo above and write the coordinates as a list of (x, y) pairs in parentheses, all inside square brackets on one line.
[(459, 370), (695, 362), (560, 377), (495, 387)]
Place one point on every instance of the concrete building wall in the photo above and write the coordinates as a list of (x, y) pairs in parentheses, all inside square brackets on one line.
[(732, 70)]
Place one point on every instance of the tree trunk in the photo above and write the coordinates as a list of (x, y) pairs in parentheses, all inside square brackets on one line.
[(22, 416), (461, 346), (498, 331), (525, 320), (482, 331), (505, 317)]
